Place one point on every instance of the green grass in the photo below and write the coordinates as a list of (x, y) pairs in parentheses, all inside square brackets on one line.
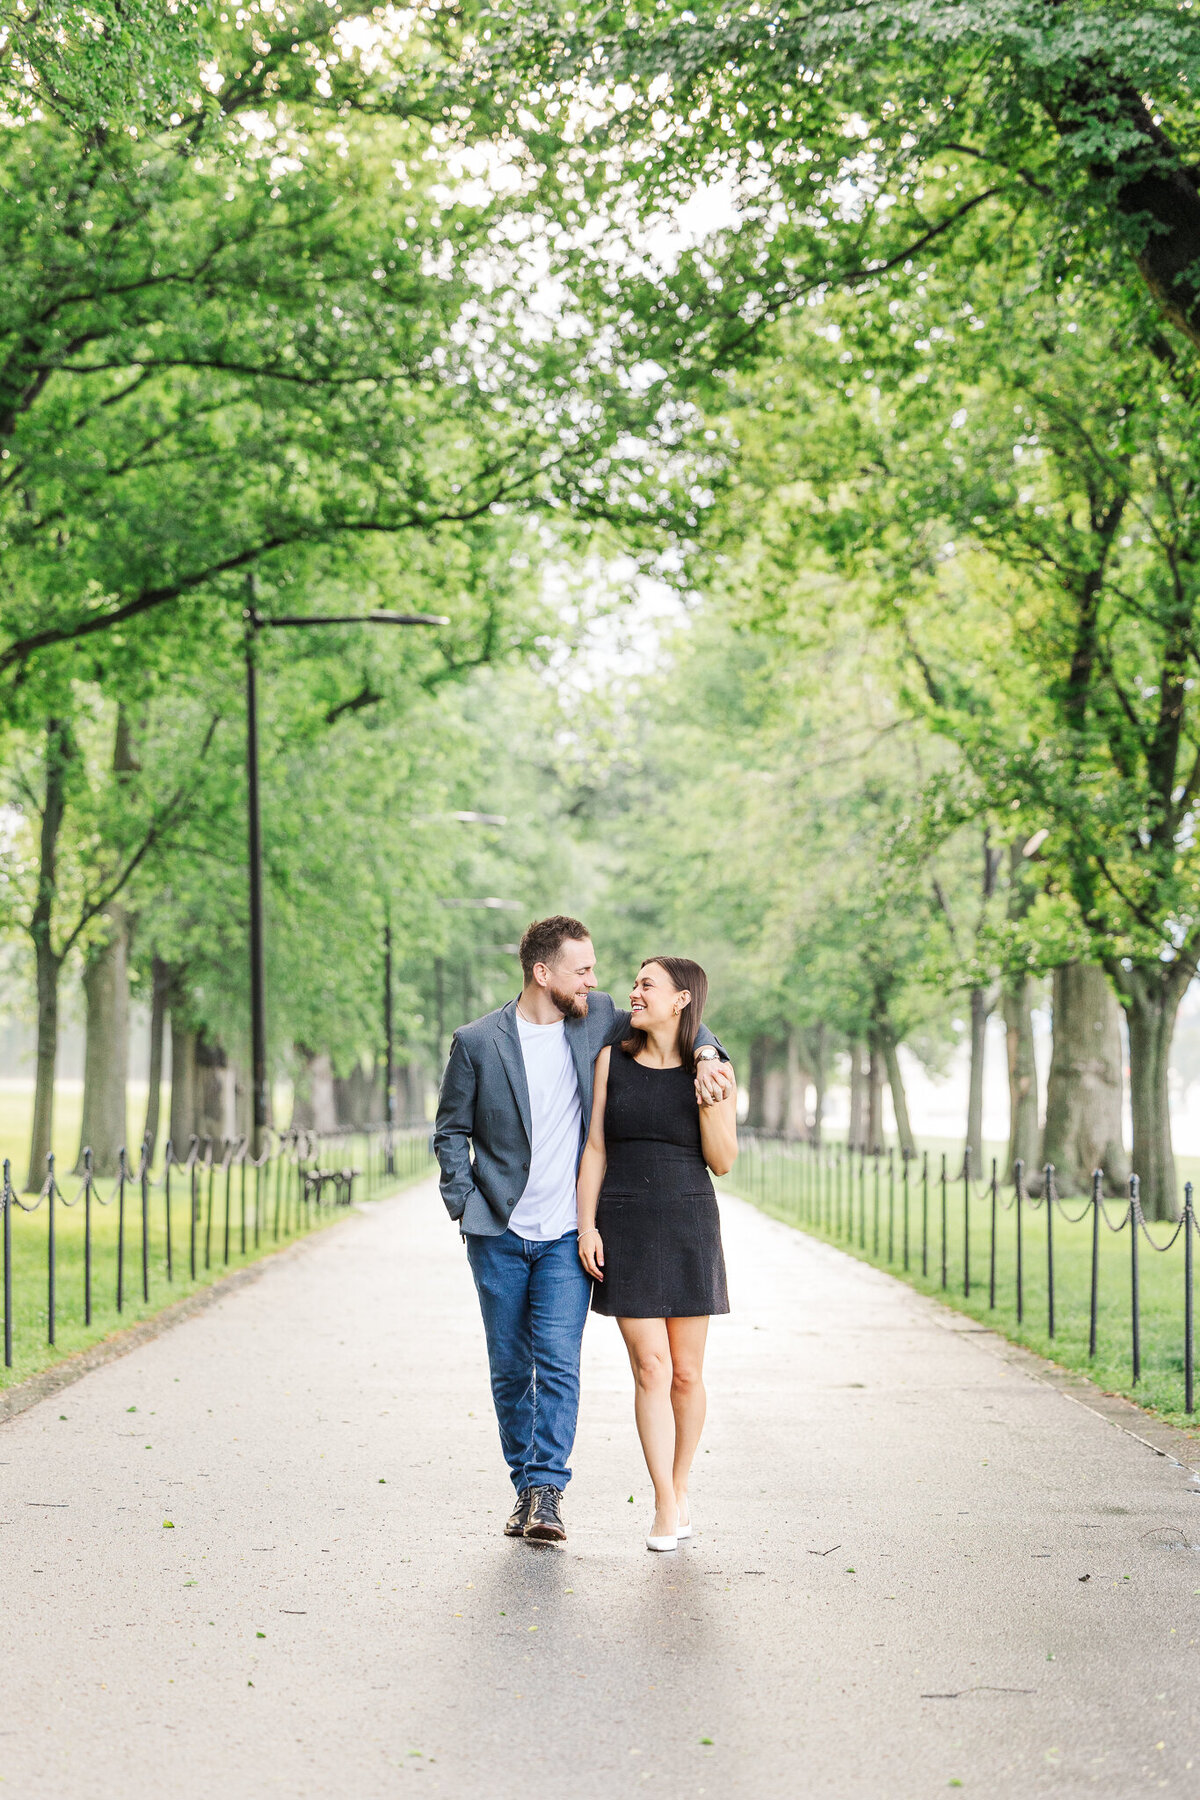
[(225, 1236), (782, 1182)]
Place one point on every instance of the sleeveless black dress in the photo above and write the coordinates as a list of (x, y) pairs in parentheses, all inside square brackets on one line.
[(657, 1215)]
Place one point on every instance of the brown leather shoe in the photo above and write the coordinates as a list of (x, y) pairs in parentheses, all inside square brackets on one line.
[(518, 1519), (545, 1519)]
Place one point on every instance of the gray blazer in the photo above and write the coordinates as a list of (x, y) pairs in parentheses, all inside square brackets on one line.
[(483, 1107)]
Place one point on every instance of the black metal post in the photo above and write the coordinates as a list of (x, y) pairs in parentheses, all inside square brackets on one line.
[(146, 1222), (906, 1161), (1018, 1208), (1048, 1180), (944, 1276), (1135, 1297), (1094, 1305), (51, 1258), (1189, 1342), (121, 1231), (967, 1222), (891, 1206), (167, 1208), (925, 1212), (87, 1237), (992, 1257)]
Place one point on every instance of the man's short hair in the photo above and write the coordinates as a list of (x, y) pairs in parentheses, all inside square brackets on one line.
[(546, 937)]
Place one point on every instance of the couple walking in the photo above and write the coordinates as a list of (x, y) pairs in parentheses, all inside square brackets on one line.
[(575, 1141)]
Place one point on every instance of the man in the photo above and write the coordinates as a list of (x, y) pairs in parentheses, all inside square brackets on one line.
[(513, 1115)]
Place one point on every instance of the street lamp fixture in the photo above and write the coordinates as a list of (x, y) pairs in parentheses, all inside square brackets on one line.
[(256, 622)]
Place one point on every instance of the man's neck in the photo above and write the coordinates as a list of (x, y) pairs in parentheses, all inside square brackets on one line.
[(537, 1008)]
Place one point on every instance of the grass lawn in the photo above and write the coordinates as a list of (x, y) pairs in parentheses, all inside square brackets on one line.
[(227, 1217), (783, 1184)]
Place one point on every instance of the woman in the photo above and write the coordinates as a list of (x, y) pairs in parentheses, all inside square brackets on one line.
[(649, 1230)]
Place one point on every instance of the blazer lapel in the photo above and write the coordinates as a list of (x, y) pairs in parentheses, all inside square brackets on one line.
[(508, 1042)]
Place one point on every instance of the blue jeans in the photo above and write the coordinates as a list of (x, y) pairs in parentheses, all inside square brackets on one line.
[(534, 1299)]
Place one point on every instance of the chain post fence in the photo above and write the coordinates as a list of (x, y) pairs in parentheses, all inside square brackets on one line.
[(296, 1184), (1078, 1308)]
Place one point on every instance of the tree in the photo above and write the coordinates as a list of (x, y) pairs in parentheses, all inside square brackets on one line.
[(867, 139)]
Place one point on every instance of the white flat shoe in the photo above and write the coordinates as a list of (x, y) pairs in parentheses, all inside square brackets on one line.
[(663, 1543), (685, 1530)]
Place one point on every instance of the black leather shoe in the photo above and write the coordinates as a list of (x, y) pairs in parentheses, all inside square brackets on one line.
[(518, 1519), (545, 1519)]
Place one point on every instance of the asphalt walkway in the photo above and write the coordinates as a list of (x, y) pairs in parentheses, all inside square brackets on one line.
[(262, 1556)]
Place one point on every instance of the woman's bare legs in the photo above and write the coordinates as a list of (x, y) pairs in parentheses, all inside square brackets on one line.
[(650, 1356), (687, 1339)]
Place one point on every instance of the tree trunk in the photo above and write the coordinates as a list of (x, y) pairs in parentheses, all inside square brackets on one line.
[(352, 1098), (314, 1107), (774, 1091), (1151, 1004), (412, 1093), (159, 997), (1084, 1090), (760, 1049), (818, 1082), (42, 1137), (106, 1053), (856, 1136), (875, 1074), (795, 1117), (59, 750), (979, 1018), (908, 1146), (1022, 1076), (183, 1078), (216, 1098)]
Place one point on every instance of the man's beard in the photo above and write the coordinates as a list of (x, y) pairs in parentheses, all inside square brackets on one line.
[(571, 1006)]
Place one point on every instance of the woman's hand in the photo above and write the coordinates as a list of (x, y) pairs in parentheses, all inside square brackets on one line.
[(591, 1252)]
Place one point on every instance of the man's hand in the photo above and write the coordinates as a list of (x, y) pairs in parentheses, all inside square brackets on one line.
[(714, 1082)]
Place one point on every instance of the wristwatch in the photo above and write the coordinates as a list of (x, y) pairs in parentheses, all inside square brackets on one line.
[(708, 1053)]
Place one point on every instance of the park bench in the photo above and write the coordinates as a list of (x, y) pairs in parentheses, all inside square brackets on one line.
[(316, 1180)]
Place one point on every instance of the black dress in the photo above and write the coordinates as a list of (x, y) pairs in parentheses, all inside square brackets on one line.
[(657, 1215)]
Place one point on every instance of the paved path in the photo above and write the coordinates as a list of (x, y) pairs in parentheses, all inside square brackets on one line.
[(887, 1512)]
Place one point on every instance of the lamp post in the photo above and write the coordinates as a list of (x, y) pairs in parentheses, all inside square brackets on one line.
[(256, 622)]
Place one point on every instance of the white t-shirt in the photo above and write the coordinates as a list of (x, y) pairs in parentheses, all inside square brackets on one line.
[(546, 1209)]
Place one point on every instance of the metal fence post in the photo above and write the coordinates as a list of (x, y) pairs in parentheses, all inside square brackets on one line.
[(1135, 1308), (1188, 1333), (967, 1221), (1019, 1209), (51, 1256), (906, 1159), (944, 1220), (1048, 1180), (1094, 1303), (992, 1254), (145, 1223), (891, 1206), (925, 1212), (121, 1231), (167, 1160)]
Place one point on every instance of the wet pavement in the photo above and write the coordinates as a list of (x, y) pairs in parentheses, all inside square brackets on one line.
[(262, 1555)]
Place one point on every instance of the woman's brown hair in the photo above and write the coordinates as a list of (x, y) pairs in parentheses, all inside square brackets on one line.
[(683, 974)]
